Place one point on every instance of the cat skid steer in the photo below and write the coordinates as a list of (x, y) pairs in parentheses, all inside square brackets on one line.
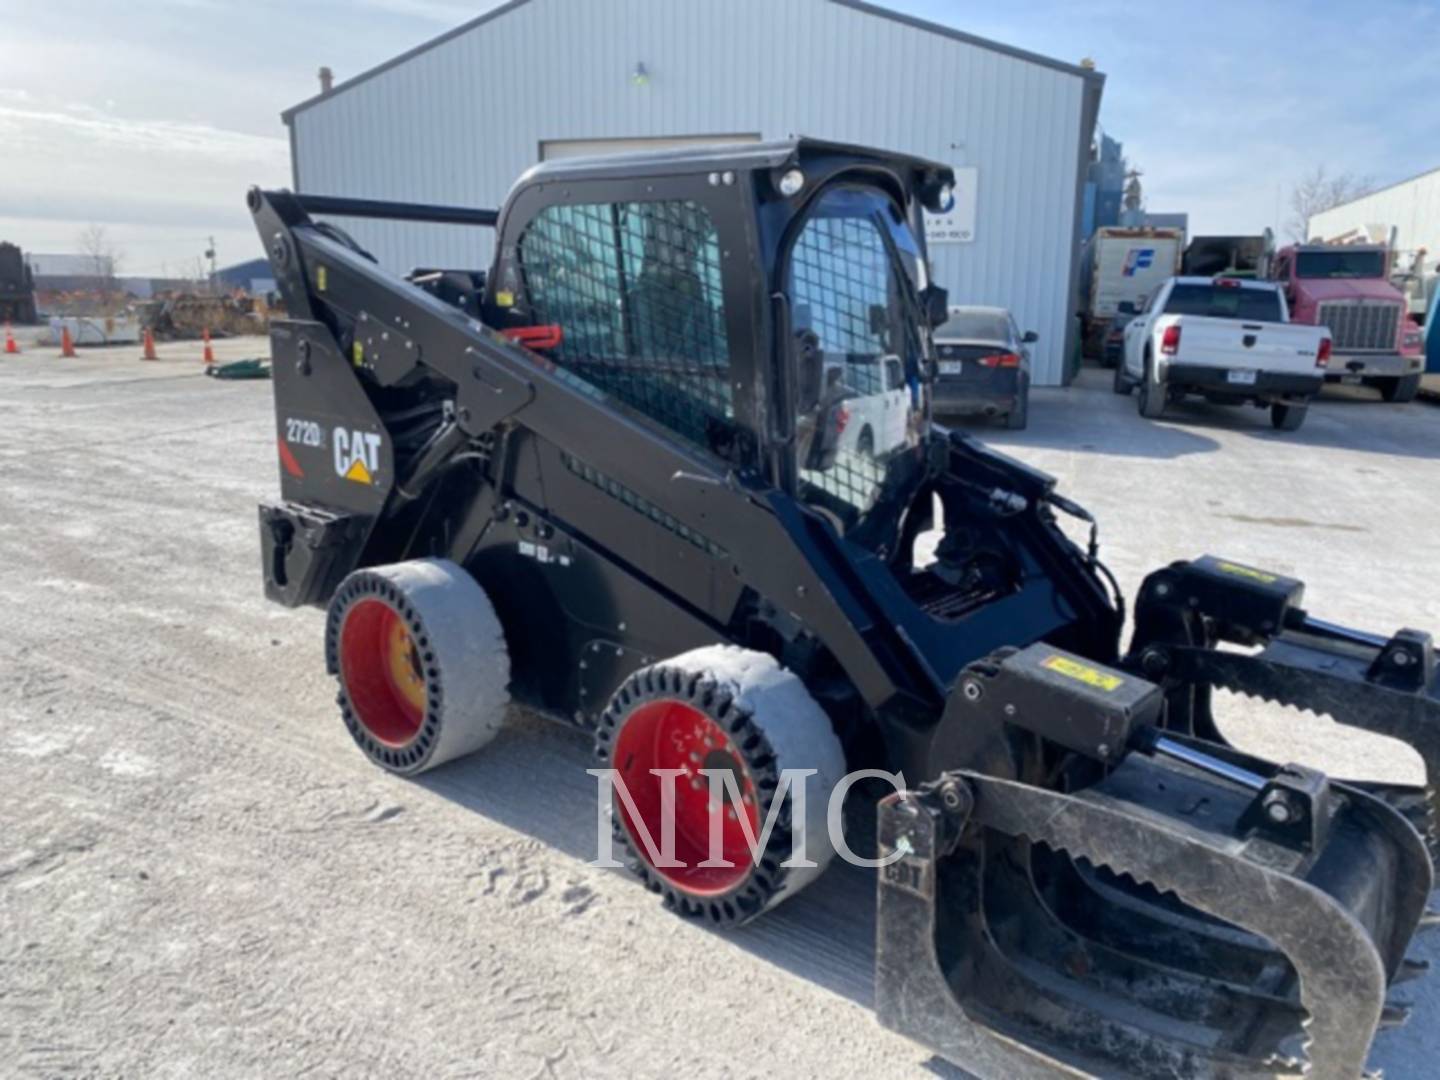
[(609, 477)]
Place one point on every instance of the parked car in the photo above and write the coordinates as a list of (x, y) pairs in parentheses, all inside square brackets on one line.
[(984, 365), (1228, 341)]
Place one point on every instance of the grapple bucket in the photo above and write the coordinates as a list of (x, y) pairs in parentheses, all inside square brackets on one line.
[(1134, 929), (1181, 910)]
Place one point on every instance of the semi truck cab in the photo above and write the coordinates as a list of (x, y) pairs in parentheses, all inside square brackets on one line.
[(1346, 287)]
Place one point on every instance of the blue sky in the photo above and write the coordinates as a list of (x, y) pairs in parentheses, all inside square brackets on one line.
[(152, 116)]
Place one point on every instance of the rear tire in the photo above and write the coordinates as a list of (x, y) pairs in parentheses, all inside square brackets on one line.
[(1152, 396), (421, 660), (1401, 389), (1019, 417), (720, 707), (1288, 417)]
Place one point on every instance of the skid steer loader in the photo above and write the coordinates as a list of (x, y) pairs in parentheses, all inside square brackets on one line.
[(615, 477)]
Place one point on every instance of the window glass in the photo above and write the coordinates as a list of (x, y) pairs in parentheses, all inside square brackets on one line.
[(1225, 302), (1340, 264), (636, 291), (854, 276), (975, 325)]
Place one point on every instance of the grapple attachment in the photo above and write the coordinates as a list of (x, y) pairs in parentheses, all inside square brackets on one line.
[(1386, 685), (1153, 905)]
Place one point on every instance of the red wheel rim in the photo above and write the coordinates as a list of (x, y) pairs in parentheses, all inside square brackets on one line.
[(674, 735), (380, 669)]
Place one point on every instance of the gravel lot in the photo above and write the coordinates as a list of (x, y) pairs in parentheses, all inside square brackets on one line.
[(200, 876)]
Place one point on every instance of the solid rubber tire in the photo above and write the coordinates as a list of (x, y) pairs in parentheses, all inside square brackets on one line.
[(769, 713), (462, 649)]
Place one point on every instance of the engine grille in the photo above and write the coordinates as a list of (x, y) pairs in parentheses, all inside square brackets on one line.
[(1361, 327)]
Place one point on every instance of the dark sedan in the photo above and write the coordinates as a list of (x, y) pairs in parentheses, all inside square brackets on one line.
[(984, 366)]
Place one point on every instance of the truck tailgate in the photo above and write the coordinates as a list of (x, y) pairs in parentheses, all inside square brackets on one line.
[(1234, 343)]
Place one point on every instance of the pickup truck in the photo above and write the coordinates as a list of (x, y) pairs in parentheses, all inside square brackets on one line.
[(1228, 341)]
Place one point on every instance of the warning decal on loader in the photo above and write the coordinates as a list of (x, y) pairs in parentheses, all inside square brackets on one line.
[(1237, 570), (1073, 669)]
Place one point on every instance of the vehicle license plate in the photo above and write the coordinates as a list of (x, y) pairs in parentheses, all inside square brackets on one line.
[(951, 367), (1240, 378)]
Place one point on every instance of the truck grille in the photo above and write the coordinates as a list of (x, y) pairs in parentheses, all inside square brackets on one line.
[(1360, 327)]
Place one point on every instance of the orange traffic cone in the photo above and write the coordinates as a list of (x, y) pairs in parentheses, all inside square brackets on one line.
[(11, 348), (149, 353), (67, 343), (209, 352)]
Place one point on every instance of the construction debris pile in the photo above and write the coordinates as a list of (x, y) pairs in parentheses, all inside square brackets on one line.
[(179, 316)]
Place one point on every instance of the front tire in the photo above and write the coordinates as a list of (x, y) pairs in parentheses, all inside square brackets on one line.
[(1400, 389), (421, 661), (1288, 416), (733, 710)]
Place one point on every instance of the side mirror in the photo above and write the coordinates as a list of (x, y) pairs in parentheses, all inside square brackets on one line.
[(1126, 307), (1030, 337), (937, 304), (809, 370)]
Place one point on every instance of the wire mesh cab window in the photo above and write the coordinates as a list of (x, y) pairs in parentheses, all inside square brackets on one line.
[(848, 282), (636, 290)]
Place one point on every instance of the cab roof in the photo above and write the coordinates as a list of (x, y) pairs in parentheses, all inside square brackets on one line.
[(738, 157)]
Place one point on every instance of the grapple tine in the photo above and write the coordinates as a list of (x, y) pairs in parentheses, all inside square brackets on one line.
[(1005, 987), (1385, 685), (1290, 673)]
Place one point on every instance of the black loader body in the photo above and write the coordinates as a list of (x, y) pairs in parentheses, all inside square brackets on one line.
[(687, 405)]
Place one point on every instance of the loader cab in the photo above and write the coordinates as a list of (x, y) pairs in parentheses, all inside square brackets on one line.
[(766, 304)]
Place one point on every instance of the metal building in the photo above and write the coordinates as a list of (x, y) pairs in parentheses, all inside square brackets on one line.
[(458, 119), (1411, 208)]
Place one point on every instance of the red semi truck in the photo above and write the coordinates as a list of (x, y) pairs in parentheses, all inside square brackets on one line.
[(1346, 287)]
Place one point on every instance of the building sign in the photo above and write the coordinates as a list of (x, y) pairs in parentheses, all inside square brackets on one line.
[(958, 226)]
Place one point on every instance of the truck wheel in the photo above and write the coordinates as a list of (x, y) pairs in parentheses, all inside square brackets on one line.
[(1400, 389), (722, 708), (1122, 384), (421, 660), (1288, 417), (1018, 418), (1152, 395)]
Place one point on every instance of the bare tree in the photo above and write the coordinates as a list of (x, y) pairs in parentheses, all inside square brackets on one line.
[(104, 259), (1318, 191)]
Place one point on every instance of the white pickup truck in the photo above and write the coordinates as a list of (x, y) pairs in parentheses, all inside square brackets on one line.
[(1227, 340)]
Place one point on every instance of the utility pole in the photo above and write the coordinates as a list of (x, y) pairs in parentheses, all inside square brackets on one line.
[(210, 254)]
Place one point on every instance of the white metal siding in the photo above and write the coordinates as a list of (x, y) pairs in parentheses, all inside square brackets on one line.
[(460, 121), (1411, 207)]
